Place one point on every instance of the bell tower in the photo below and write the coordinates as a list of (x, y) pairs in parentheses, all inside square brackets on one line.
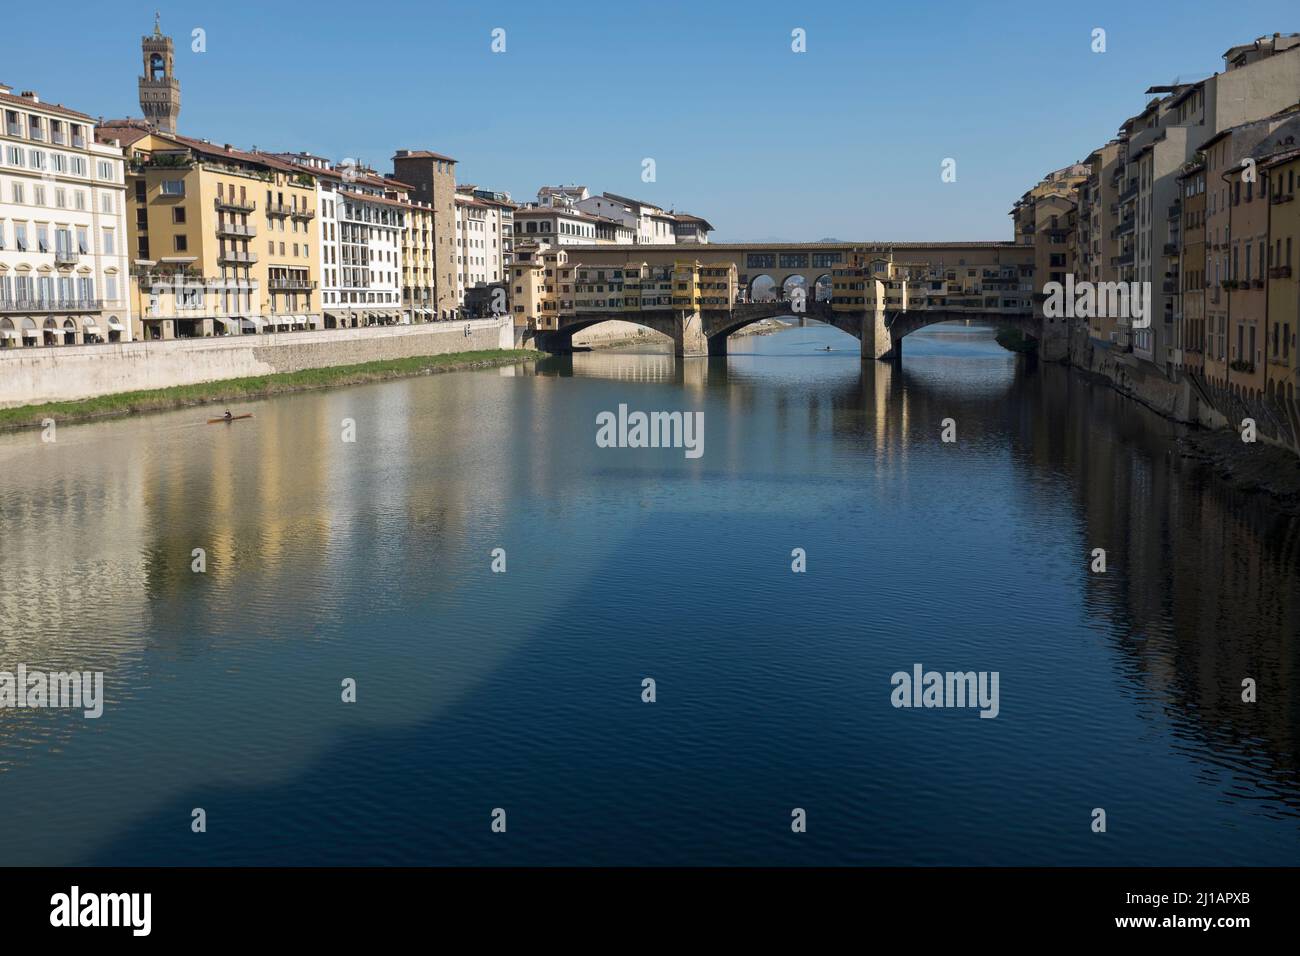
[(160, 91)]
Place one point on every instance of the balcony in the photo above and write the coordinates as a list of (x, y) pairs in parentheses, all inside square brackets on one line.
[(232, 204), (51, 305), (58, 138), (66, 257), (235, 229), (280, 209), (14, 129), (303, 213), (1169, 288), (1278, 198), (1127, 226), (1171, 249), (1279, 272), (1129, 193), (1125, 259), (291, 285), (1176, 210), (237, 257)]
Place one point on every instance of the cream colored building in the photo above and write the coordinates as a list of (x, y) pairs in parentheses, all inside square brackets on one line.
[(223, 241), (64, 275)]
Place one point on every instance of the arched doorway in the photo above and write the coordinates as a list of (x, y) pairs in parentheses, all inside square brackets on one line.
[(69, 332), (822, 288), (8, 335), (30, 335), (50, 333)]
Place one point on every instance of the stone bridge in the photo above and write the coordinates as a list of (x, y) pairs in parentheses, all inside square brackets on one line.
[(974, 271), (880, 332)]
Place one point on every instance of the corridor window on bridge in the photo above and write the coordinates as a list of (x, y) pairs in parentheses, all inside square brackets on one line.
[(541, 459)]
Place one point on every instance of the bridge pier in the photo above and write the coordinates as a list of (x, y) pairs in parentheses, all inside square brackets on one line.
[(877, 343), (688, 336), (554, 343), (718, 346)]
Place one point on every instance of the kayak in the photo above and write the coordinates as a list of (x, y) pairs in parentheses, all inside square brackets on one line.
[(232, 418)]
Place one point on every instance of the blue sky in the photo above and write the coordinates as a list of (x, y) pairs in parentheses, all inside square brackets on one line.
[(845, 140)]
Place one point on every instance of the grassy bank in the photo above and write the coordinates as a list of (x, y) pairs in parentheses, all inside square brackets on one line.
[(234, 390)]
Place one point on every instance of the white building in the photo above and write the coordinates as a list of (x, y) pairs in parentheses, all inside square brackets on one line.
[(480, 242), (64, 276), (650, 224), (555, 225), (361, 221), (564, 195), (688, 228)]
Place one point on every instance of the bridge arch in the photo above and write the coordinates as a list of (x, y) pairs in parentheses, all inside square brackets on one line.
[(822, 287), (795, 280), (761, 284), (903, 324)]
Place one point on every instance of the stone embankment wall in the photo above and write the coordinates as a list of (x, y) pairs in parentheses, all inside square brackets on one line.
[(1187, 399), (66, 373)]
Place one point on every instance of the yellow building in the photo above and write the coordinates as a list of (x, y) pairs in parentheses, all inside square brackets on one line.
[(1283, 371), (872, 282), (541, 286), (222, 241), (699, 286), (419, 298), (600, 288)]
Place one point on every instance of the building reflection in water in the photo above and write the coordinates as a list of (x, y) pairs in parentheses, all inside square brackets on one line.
[(323, 555)]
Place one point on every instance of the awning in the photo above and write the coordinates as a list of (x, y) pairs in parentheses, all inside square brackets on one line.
[(32, 332), (115, 325), (8, 334), (90, 323)]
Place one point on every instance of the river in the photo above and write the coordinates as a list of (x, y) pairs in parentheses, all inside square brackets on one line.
[(372, 560)]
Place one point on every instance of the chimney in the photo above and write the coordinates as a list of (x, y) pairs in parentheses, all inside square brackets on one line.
[(30, 95)]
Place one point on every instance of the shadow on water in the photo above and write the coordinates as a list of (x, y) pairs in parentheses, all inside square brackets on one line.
[(1121, 690)]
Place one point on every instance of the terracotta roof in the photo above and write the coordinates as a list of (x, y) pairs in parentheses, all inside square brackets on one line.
[(568, 211), (1283, 157), (422, 154), (126, 134), (367, 197), (42, 105), (630, 202)]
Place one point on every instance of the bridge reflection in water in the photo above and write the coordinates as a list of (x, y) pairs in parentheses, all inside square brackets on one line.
[(373, 560)]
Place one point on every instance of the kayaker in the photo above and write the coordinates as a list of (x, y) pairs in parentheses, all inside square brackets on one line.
[(228, 416)]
